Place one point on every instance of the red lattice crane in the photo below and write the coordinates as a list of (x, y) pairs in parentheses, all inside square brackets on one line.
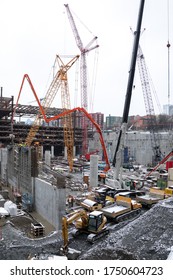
[(83, 73), (149, 106)]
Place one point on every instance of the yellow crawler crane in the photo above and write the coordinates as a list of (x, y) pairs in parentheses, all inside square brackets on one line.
[(59, 80)]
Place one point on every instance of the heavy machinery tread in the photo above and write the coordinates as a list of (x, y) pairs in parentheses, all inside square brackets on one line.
[(127, 215), (93, 237)]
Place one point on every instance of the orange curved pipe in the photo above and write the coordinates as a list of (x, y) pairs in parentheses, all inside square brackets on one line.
[(94, 123), (26, 76)]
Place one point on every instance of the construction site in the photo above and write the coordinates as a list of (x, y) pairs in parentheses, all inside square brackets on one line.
[(70, 189)]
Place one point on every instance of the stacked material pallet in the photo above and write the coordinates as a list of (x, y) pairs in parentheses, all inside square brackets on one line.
[(37, 229)]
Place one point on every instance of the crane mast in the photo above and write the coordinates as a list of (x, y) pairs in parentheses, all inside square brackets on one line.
[(83, 73), (149, 106), (59, 80), (117, 160)]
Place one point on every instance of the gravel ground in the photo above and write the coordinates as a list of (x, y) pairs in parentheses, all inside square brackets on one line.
[(148, 237)]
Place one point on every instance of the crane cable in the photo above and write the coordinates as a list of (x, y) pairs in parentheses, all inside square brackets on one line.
[(95, 70), (82, 22)]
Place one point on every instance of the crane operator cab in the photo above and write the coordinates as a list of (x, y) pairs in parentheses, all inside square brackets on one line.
[(96, 221), (93, 223), (96, 226)]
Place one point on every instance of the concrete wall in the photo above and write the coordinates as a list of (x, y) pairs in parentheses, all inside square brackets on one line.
[(138, 143), (50, 202), (18, 167)]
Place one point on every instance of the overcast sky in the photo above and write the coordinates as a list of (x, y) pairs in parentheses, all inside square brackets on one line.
[(33, 32)]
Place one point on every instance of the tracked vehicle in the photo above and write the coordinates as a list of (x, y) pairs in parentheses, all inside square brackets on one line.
[(124, 208), (93, 223)]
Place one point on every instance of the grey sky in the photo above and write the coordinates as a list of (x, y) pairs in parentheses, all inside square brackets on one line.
[(33, 32)]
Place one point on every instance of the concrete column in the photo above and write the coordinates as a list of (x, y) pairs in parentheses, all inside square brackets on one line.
[(47, 158), (3, 161), (65, 152), (33, 190), (94, 171), (74, 151), (41, 152), (52, 151)]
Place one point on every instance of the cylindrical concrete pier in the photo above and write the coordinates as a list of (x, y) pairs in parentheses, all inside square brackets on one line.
[(94, 171)]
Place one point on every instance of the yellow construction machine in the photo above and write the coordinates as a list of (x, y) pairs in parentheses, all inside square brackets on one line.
[(124, 208), (93, 223), (168, 191), (90, 205)]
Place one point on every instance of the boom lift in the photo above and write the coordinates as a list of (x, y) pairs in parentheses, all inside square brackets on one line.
[(92, 223), (117, 160)]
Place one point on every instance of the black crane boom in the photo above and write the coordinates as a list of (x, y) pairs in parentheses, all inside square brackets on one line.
[(120, 142)]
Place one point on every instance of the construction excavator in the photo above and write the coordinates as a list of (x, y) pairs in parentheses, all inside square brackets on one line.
[(93, 223)]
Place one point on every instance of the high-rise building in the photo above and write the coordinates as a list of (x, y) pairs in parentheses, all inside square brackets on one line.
[(98, 118)]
